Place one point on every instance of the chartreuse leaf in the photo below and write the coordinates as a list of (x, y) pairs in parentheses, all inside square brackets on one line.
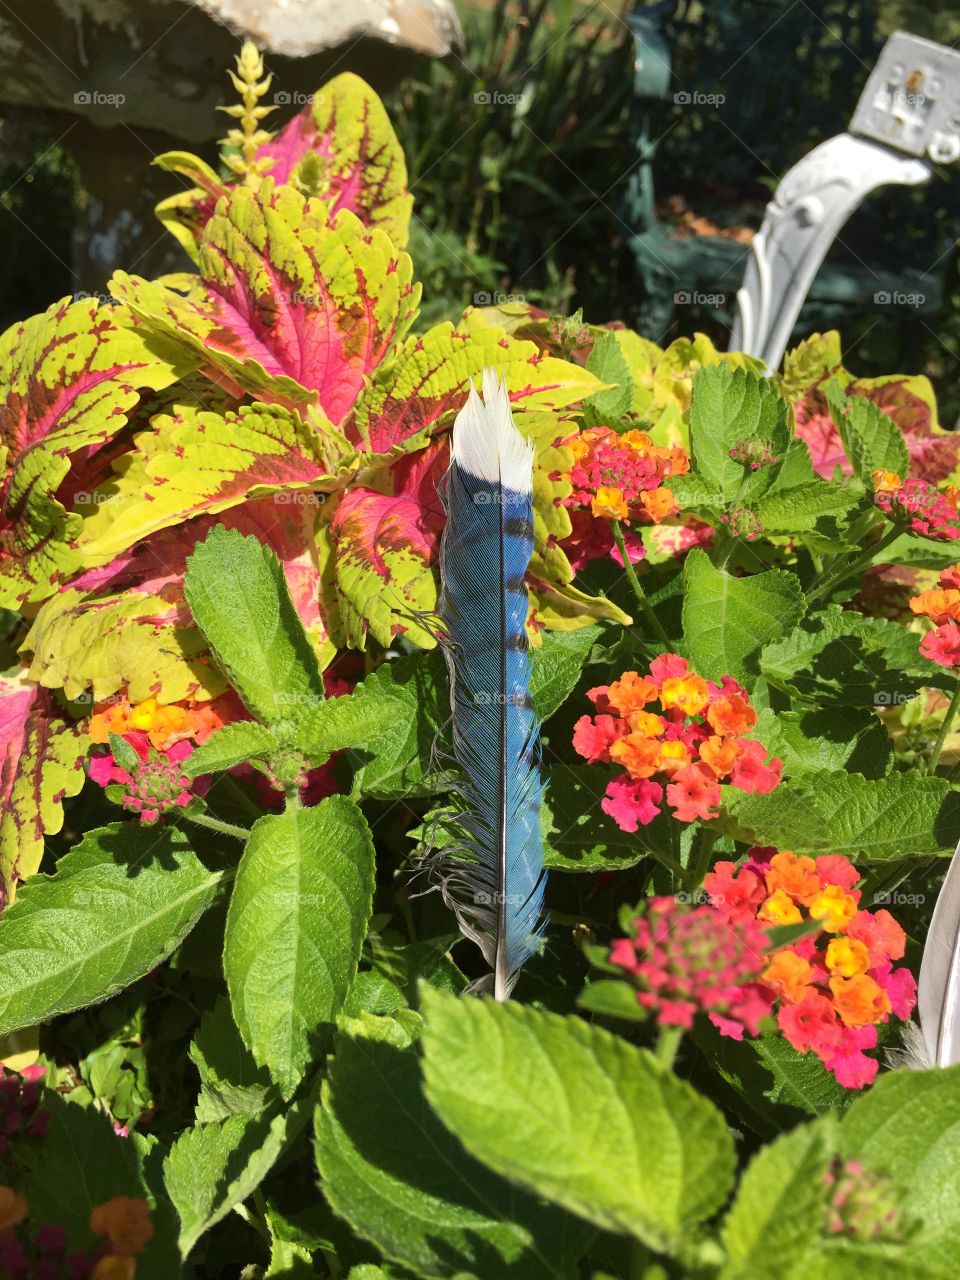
[(865, 819), (871, 438), (842, 658), (295, 925), (134, 640), (231, 745), (117, 905), (728, 620), (390, 1168), (239, 597), (429, 376), (195, 462), (214, 1167), (575, 1114), (339, 294), (47, 767), (779, 1212), (82, 1163), (72, 378)]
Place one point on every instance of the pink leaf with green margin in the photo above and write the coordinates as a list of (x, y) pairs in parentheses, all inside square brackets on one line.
[(48, 768), (386, 542), (429, 377), (353, 161), (125, 626), (296, 310), (73, 377), (196, 463), (17, 695)]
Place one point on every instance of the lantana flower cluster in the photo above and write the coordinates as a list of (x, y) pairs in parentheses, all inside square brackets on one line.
[(918, 505), (162, 736), (617, 477), (677, 735), (835, 986), (942, 607), (685, 959)]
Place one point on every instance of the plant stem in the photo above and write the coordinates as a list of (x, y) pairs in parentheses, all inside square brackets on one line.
[(862, 561), (944, 730), (668, 1042), (700, 859), (215, 824), (634, 581)]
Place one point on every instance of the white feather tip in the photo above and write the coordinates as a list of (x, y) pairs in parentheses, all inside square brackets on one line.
[(486, 444)]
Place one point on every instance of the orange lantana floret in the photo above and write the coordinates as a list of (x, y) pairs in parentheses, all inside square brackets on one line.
[(609, 503), (789, 974), (125, 1221), (859, 1000), (639, 755), (731, 716), (780, 908), (939, 606), (720, 754), (796, 876), (658, 504), (631, 693)]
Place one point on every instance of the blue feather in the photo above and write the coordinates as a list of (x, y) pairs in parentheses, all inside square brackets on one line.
[(494, 877)]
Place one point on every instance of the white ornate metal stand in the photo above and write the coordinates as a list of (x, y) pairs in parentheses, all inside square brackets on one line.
[(908, 118)]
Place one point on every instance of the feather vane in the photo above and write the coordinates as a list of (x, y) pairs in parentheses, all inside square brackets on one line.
[(494, 876)]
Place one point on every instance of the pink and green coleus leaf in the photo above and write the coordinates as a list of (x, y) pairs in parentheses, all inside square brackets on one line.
[(297, 310), (429, 376), (125, 626), (73, 377), (194, 463), (385, 537), (341, 149), (43, 758), (908, 401)]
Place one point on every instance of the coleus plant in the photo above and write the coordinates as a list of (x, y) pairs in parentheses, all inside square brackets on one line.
[(221, 531)]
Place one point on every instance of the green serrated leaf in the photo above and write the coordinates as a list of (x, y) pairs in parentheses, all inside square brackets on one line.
[(842, 658), (908, 1126), (239, 597), (731, 405), (214, 1167), (871, 438), (728, 620), (404, 1182), (231, 745), (865, 819), (295, 925), (779, 1213), (533, 1095), (231, 1083), (117, 905), (606, 361), (827, 739), (578, 835)]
